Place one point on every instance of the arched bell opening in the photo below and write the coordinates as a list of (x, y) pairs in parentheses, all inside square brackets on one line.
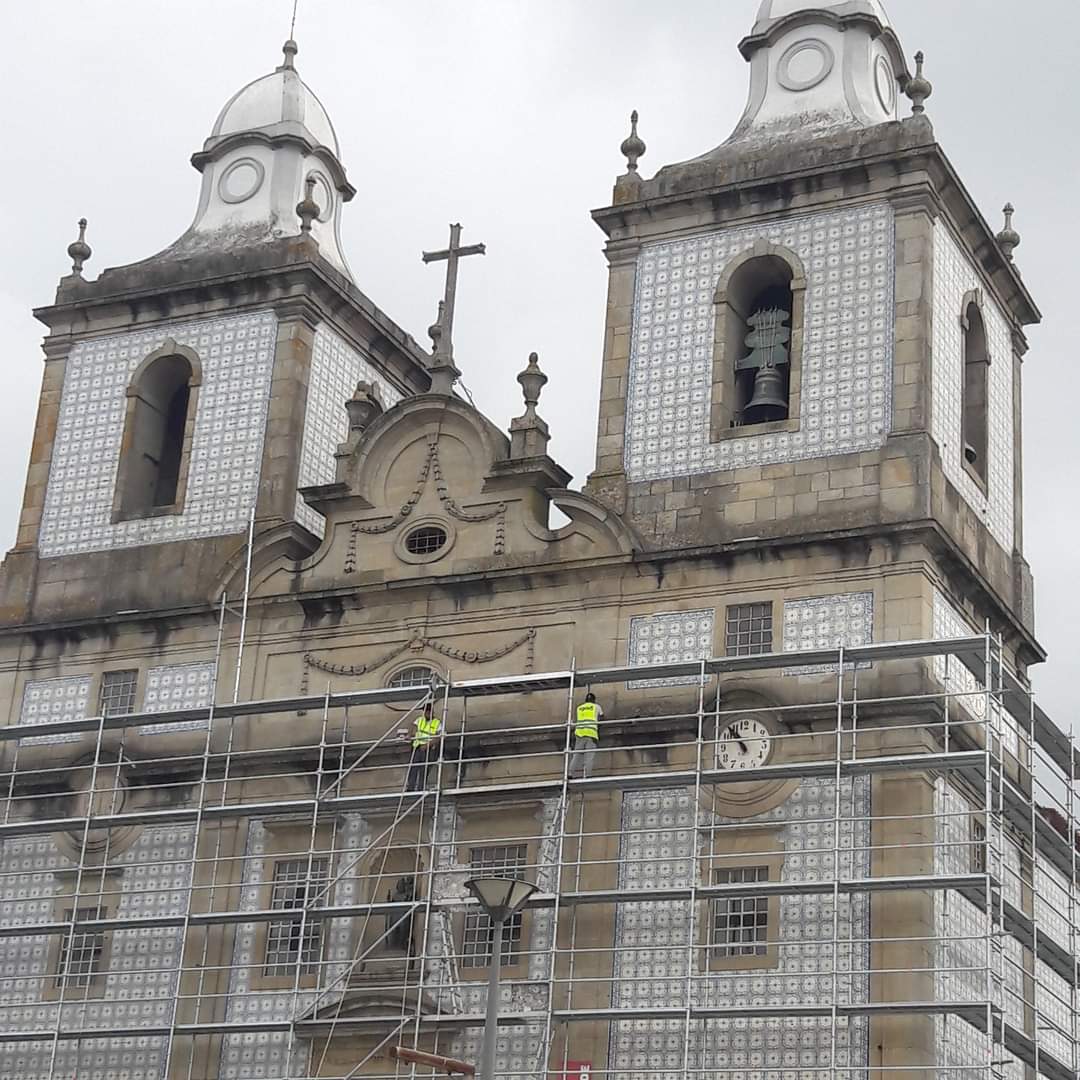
[(762, 304), (975, 405), (158, 427), (758, 351)]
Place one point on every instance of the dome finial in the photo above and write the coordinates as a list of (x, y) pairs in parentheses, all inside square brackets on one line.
[(79, 250), (918, 88), (308, 209), (632, 146), (1008, 239), (290, 49)]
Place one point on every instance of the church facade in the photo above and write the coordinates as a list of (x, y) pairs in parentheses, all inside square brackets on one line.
[(825, 833)]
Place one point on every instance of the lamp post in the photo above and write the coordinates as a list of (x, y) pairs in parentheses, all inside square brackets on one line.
[(500, 898)]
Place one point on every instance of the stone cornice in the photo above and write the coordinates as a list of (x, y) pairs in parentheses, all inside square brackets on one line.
[(891, 162), (500, 580), (840, 21), (216, 148), (288, 275)]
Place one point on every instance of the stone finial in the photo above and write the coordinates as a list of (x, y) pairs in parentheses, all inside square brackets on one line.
[(1008, 239), (364, 406), (290, 49), (308, 209), (633, 147), (532, 380), (79, 250), (918, 87), (529, 434)]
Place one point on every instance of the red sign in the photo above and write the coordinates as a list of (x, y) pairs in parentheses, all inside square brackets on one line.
[(578, 1070)]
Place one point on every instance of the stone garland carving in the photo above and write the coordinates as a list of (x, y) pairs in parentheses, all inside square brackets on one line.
[(468, 656), (350, 550), (431, 465), (417, 644)]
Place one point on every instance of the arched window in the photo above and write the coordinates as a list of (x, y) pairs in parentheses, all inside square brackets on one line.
[(975, 405), (758, 340), (418, 676), (157, 434)]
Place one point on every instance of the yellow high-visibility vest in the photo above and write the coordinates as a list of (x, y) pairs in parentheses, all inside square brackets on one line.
[(588, 715), (426, 730)]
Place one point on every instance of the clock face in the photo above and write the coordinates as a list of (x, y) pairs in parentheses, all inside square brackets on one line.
[(743, 744)]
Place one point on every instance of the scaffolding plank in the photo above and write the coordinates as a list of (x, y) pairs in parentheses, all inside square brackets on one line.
[(537, 901), (970, 1010), (941, 762)]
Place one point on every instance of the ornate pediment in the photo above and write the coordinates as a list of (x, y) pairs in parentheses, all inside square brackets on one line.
[(432, 488)]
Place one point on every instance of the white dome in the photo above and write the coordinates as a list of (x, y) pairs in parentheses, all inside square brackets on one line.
[(281, 97), (772, 11), (272, 137)]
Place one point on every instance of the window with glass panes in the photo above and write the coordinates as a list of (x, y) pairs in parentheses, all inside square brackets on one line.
[(749, 629), (79, 959), (295, 885), (740, 924), (118, 693), (419, 676), (499, 860)]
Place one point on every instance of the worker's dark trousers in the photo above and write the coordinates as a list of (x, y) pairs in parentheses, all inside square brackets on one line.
[(423, 756)]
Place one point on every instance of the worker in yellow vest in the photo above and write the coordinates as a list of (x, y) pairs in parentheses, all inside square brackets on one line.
[(425, 748), (586, 736)]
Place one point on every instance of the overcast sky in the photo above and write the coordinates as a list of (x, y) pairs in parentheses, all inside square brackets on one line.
[(507, 115)]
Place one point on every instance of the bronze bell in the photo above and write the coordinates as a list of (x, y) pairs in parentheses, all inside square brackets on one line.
[(769, 401)]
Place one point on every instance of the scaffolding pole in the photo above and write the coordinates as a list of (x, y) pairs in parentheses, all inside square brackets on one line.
[(994, 766)]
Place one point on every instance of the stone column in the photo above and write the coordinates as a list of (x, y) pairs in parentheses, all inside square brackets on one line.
[(298, 321), (608, 481), (914, 314), (903, 837)]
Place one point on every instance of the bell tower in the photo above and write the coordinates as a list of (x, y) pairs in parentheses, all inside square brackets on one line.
[(201, 388), (814, 338)]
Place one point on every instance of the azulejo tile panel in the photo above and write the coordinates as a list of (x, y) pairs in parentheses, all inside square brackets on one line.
[(266, 1054), (661, 846), (961, 930), (237, 357), (968, 693), (52, 700), (336, 368), (954, 278), (668, 638), (847, 352), (140, 983), (520, 1049), (180, 686), (827, 622)]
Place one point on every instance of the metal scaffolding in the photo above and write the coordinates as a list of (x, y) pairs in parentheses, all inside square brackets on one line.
[(255, 931)]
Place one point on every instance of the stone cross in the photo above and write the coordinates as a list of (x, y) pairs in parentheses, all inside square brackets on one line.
[(451, 255)]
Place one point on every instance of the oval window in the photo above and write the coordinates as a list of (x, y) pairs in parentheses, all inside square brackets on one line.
[(426, 540), (419, 676)]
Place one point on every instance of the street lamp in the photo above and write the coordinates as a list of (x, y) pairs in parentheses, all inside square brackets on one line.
[(500, 898)]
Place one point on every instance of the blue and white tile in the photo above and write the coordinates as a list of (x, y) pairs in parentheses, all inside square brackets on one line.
[(847, 363), (336, 368), (954, 278), (237, 357)]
